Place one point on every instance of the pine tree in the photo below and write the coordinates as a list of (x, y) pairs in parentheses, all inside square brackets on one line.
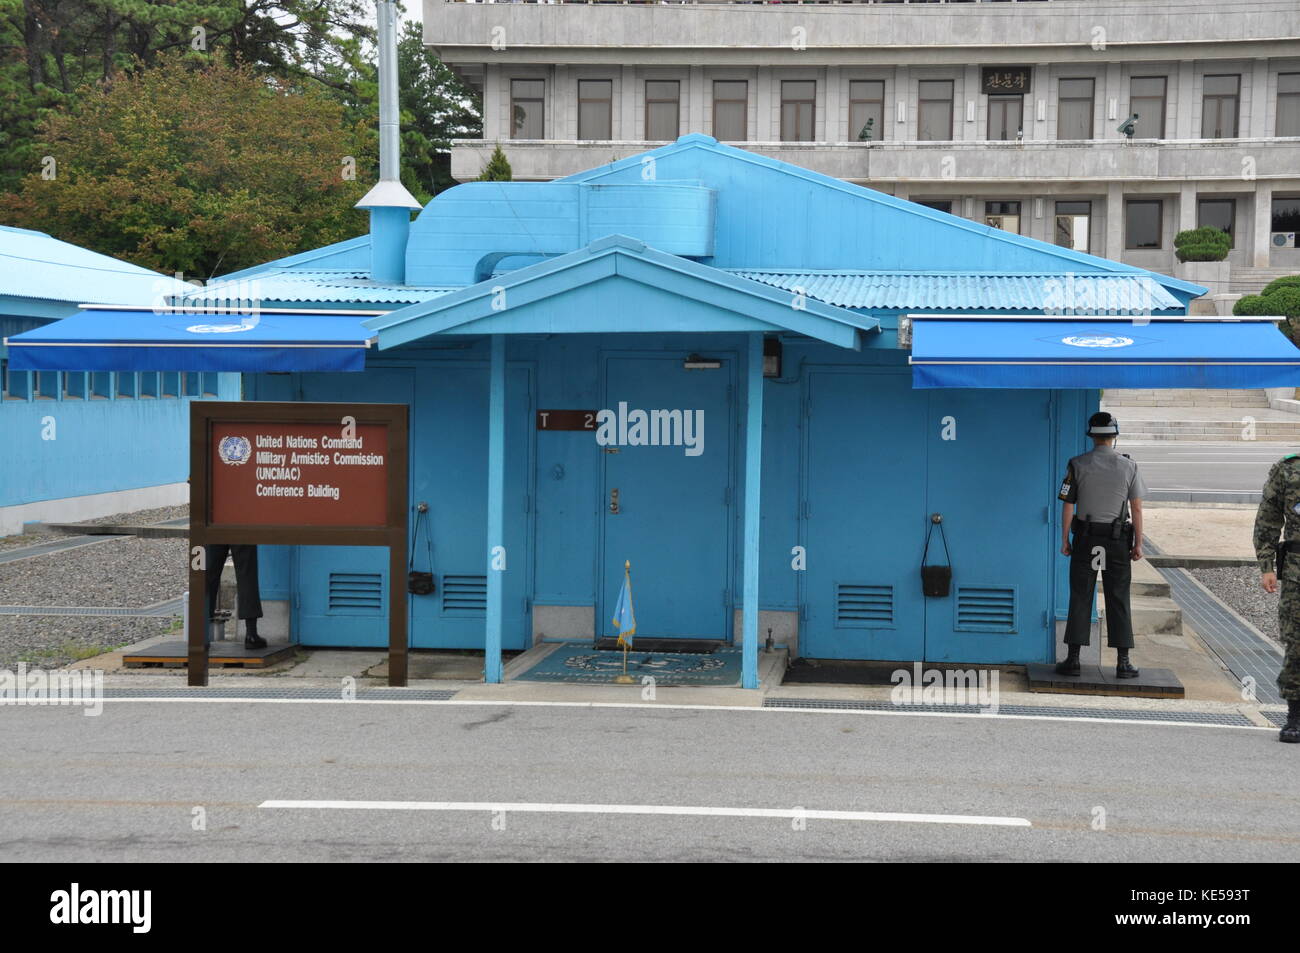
[(498, 168)]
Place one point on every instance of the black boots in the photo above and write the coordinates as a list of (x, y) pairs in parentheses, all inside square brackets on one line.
[(1291, 733), (1123, 667), (251, 639), (1071, 664)]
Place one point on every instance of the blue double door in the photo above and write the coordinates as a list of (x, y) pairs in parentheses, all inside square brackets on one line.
[(879, 459)]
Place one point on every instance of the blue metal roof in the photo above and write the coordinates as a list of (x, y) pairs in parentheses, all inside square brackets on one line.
[(969, 291), (35, 265), (330, 287)]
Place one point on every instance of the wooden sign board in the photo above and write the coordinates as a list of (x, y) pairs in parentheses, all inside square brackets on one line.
[(1004, 80), (566, 420), (301, 474)]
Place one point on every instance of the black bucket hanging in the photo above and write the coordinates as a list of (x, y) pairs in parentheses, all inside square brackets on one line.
[(420, 583), (936, 581)]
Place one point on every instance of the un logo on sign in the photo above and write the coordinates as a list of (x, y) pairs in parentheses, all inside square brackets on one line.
[(234, 450), (1097, 340)]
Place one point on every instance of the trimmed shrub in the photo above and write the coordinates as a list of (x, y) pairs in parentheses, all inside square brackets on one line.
[(1202, 244)]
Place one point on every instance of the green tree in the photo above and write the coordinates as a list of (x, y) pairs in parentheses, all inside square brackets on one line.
[(1280, 297), (498, 168), (201, 171)]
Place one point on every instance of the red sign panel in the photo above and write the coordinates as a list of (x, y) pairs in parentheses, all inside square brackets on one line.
[(298, 474)]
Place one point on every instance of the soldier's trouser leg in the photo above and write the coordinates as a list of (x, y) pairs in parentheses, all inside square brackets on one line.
[(215, 560), (1288, 624), (1083, 591), (249, 595), (1116, 577)]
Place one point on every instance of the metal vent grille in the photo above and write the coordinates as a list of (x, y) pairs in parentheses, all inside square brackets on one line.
[(464, 595), (986, 609), (861, 606), (356, 592)]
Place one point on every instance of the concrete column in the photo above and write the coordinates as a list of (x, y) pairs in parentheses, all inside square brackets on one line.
[(1186, 206), (1187, 112), (1040, 88), (833, 116), (558, 98), (1114, 221), (625, 108), (1256, 118), (1261, 248), (902, 94), (496, 555), (698, 101), (753, 502), (765, 89), (1111, 89), (970, 93)]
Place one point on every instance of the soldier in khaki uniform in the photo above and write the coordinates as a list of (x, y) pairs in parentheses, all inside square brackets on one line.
[(1098, 492), (1279, 514)]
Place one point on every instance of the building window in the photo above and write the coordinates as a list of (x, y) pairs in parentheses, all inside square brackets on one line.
[(1146, 97), (1286, 214), (171, 384), (527, 104), (1003, 215), (939, 206), (45, 385), (148, 383), (191, 384), (14, 385), (1073, 222), (1219, 107), (730, 110), (1288, 104), (866, 109), (798, 110), (101, 385), (1006, 117), (595, 109), (74, 385), (1216, 213), (663, 107), (934, 109), (211, 382), (1142, 223), (1074, 110), (126, 384)]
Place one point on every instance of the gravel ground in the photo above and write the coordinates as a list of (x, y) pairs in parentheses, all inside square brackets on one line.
[(1239, 587), (161, 515), (116, 572), (54, 641)]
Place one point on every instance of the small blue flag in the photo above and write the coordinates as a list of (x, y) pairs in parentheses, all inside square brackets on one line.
[(624, 618)]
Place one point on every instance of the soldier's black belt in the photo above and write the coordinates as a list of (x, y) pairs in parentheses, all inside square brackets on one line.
[(1115, 529)]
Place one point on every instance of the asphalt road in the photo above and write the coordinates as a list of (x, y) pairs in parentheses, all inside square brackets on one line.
[(125, 786), (1206, 469)]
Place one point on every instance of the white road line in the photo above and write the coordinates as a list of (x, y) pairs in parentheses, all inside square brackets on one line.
[(902, 712), (674, 810)]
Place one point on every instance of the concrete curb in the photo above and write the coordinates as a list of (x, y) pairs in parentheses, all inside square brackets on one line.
[(1200, 562)]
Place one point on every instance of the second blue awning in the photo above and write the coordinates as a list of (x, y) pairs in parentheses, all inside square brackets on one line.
[(1073, 352), (112, 340)]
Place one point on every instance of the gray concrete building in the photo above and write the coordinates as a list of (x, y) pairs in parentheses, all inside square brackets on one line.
[(1002, 111)]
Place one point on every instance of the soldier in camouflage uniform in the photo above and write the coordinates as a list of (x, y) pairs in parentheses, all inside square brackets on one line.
[(1279, 515)]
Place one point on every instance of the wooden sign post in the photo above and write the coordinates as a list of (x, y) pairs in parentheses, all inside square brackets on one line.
[(298, 474)]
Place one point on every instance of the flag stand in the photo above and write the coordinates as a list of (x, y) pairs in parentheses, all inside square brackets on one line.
[(625, 678)]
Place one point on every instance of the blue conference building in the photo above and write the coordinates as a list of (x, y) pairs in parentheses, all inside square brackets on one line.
[(77, 444), (755, 383)]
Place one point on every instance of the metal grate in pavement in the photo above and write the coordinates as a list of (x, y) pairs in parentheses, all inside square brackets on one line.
[(1239, 648), (287, 693), (1140, 714), (54, 546), (1276, 717)]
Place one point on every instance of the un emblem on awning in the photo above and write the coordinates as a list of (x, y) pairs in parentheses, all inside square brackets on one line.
[(1097, 340), (219, 328)]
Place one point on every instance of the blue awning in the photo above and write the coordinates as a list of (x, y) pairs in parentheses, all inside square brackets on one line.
[(112, 340), (1075, 352)]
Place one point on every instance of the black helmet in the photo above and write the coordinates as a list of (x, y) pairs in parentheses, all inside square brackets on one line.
[(1102, 424)]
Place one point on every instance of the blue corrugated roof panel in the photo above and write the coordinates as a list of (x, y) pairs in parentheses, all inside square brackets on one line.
[(969, 291), (35, 265), (334, 287)]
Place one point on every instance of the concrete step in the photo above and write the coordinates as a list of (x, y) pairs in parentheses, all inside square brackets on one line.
[(1251, 281), (1156, 615), (1147, 581)]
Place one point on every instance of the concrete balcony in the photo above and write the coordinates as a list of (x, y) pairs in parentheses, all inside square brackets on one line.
[(717, 34), (1096, 161)]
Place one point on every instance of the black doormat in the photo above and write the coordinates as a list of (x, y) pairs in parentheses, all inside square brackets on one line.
[(702, 646), (803, 671)]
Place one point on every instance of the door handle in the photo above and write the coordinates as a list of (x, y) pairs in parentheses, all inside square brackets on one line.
[(613, 500)]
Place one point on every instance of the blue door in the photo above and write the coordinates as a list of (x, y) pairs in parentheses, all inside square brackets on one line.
[(450, 468), (863, 504), (341, 592), (996, 507), (673, 518)]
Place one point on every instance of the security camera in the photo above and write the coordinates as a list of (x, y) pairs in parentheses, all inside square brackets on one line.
[(1128, 126)]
